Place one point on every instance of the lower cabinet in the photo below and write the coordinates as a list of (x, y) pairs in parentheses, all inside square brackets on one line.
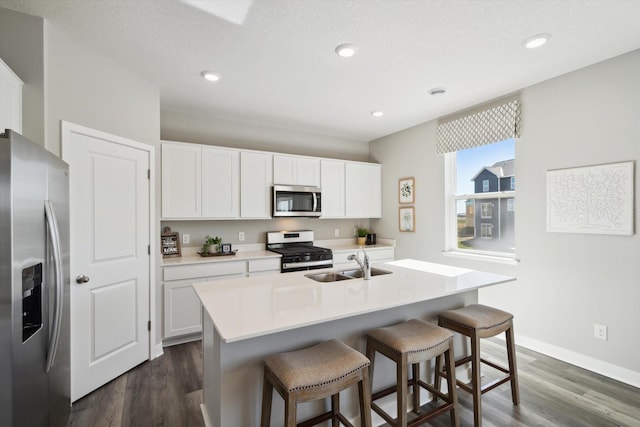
[(182, 311), (376, 255)]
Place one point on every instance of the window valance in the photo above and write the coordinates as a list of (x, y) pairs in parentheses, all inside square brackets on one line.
[(490, 125)]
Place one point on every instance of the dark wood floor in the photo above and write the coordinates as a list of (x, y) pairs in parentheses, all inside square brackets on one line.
[(168, 392)]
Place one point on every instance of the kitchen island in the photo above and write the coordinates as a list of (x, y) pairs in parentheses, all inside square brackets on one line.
[(246, 319)]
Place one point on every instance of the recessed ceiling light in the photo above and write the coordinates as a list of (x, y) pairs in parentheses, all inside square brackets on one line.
[(377, 113), (210, 75), (536, 41), (437, 91), (346, 50)]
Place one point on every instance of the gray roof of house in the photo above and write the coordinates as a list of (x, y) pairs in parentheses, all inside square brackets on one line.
[(502, 169)]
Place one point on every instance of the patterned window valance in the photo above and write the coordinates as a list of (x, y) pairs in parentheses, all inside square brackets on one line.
[(483, 127)]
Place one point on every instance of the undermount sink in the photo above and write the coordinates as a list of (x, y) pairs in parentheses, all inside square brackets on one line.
[(335, 276), (357, 273), (327, 277)]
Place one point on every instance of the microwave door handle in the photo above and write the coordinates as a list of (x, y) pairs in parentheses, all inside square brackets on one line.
[(315, 202), (54, 236)]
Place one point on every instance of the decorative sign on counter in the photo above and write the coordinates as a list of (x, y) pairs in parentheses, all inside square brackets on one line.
[(591, 199), (170, 243)]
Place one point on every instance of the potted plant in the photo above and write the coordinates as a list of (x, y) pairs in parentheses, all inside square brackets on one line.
[(362, 236), (211, 244)]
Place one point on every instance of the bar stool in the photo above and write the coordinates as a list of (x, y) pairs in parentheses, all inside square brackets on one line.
[(411, 343), (312, 373), (478, 321)]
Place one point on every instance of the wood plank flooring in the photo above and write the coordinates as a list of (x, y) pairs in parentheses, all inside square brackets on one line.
[(168, 391)]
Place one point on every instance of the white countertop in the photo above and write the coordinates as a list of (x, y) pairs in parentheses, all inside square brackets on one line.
[(191, 257), (249, 307)]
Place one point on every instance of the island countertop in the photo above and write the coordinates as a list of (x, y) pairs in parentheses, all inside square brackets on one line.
[(250, 307)]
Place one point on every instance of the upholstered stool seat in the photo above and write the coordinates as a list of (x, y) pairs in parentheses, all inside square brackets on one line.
[(409, 344), (478, 321), (314, 373)]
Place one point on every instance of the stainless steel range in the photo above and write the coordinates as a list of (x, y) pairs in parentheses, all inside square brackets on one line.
[(297, 250)]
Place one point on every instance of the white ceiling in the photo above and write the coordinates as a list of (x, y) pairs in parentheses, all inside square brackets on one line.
[(278, 66)]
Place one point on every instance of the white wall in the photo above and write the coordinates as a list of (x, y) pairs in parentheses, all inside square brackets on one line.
[(566, 282), (21, 48)]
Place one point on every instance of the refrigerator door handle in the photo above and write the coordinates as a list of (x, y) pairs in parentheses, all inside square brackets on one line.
[(54, 236)]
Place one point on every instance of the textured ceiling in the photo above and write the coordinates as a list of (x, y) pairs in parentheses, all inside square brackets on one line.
[(278, 66)]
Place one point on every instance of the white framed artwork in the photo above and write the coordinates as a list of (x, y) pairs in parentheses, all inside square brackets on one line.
[(591, 199)]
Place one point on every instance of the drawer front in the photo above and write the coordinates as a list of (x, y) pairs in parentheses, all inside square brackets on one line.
[(193, 271), (266, 264)]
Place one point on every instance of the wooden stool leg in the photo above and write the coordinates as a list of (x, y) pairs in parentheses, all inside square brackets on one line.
[(401, 389), (475, 378), (267, 396), (335, 408), (364, 390), (416, 387), (513, 370), (371, 355), (451, 384), (437, 378), (290, 411)]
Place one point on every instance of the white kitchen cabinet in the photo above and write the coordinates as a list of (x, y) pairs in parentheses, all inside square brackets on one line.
[(10, 99), (333, 188), (363, 190), (182, 309), (376, 255), (181, 181), (220, 183), (296, 170), (256, 180), (200, 182), (264, 266)]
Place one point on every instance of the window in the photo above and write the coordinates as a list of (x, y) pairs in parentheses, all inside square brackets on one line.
[(486, 210), (481, 194), (486, 230)]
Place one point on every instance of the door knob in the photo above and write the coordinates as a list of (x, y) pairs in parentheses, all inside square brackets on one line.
[(82, 279)]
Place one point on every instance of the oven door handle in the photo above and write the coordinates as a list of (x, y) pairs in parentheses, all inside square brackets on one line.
[(327, 262)]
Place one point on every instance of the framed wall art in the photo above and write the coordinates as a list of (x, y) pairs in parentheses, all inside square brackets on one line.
[(591, 199), (407, 218), (406, 190)]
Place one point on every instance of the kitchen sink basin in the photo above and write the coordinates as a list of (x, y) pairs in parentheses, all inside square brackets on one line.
[(357, 273), (327, 277), (334, 276)]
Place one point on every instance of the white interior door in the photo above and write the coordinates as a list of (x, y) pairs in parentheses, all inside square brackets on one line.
[(110, 263)]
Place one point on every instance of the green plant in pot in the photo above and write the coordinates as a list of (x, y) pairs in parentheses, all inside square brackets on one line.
[(211, 244), (362, 236)]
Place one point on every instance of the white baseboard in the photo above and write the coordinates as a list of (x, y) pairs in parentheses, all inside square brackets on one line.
[(607, 369), (156, 351)]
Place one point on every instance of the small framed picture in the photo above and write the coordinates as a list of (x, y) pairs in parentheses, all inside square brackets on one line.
[(225, 248), (407, 219), (170, 243), (406, 190)]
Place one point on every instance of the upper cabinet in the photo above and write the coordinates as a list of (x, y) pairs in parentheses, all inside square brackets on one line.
[(333, 188), (206, 182), (296, 170), (256, 180), (200, 181), (181, 181), (10, 99), (363, 190)]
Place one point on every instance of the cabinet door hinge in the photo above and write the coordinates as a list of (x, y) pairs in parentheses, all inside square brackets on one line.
[(149, 325), (148, 173), (148, 249)]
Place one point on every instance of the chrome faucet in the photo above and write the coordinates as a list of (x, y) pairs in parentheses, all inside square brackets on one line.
[(365, 264)]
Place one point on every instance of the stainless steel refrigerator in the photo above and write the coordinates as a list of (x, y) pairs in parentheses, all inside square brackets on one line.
[(34, 285)]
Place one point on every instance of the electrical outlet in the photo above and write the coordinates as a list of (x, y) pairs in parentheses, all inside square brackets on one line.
[(600, 332), (186, 238), (241, 236), (336, 232)]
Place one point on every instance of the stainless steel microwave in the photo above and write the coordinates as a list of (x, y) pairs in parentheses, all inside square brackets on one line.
[(294, 200)]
